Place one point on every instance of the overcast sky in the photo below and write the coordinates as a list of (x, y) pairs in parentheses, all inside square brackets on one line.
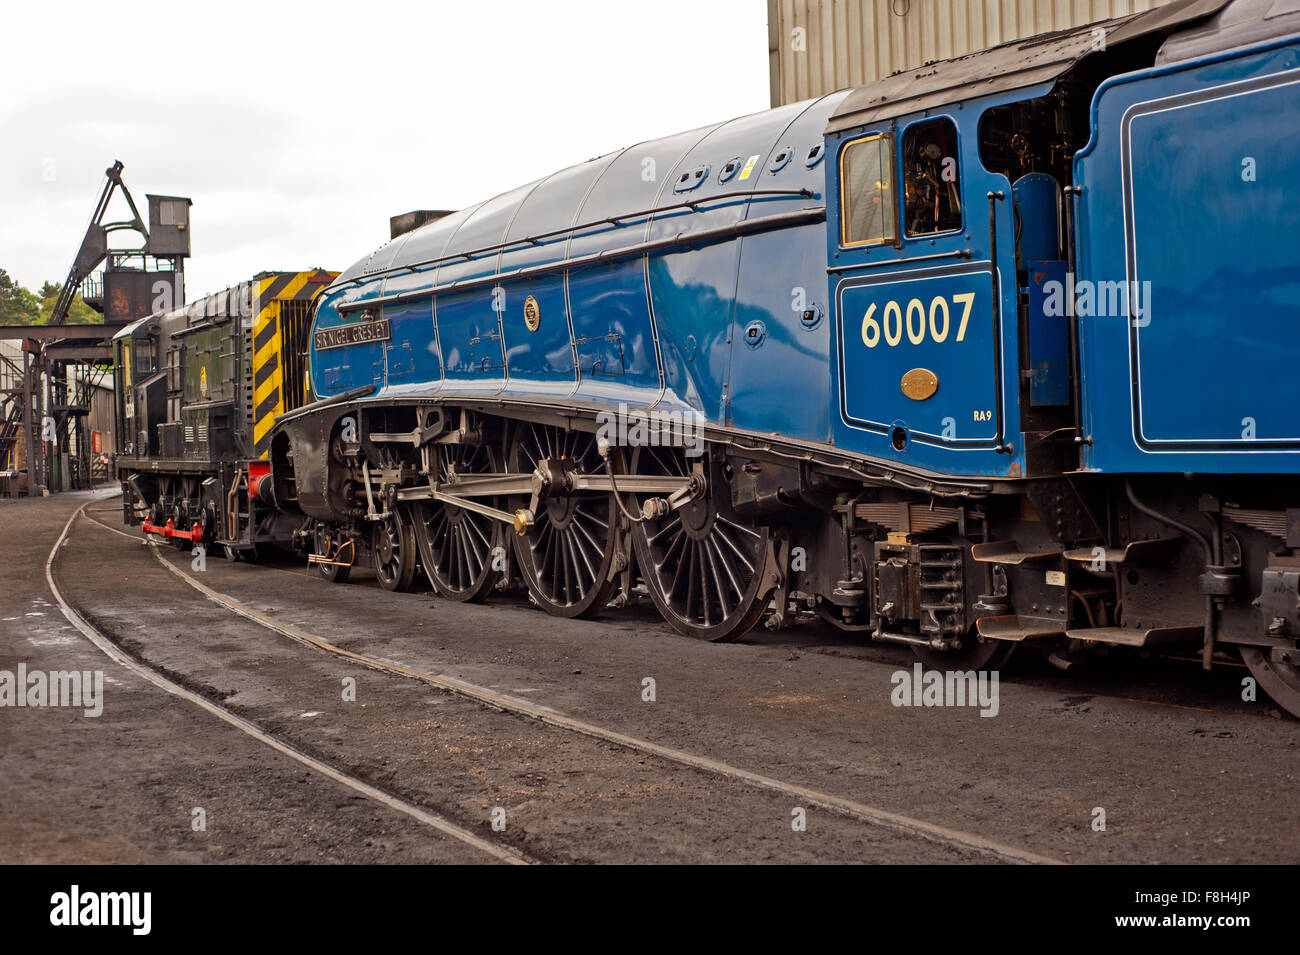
[(299, 129)]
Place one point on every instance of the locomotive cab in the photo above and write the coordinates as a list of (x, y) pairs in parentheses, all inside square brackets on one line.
[(141, 396)]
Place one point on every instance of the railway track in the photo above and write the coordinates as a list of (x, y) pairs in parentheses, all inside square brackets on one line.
[(114, 652), (850, 809), (1069, 684)]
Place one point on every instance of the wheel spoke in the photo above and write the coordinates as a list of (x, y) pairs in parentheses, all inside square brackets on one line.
[(589, 542), (566, 561), (725, 538), (475, 544), (439, 529), (748, 531), (580, 549), (706, 603), (585, 510), (464, 559), (576, 563), (673, 522), (733, 585), (688, 568), (674, 552)]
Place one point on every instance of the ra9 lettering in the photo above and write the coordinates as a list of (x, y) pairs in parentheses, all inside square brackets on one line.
[(915, 321)]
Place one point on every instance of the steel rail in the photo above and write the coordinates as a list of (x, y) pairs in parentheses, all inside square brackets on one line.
[(111, 650), (852, 809)]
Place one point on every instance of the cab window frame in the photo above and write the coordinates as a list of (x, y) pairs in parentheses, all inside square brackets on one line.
[(145, 356), (891, 150), (908, 236)]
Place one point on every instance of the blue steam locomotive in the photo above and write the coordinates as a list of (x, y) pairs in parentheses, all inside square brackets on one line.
[(994, 352)]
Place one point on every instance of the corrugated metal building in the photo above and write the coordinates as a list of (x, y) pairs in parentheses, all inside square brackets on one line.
[(817, 46)]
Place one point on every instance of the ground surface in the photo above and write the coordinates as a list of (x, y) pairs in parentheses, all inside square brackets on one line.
[(1185, 771)]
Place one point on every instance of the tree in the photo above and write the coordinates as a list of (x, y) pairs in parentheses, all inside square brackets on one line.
[(18, 306), (79, 313)]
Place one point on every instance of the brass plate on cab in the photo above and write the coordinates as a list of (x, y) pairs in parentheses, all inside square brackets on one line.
[(532, 314), (920, 383)]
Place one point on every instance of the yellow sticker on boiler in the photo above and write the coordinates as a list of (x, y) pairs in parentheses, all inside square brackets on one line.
[(749, 167)]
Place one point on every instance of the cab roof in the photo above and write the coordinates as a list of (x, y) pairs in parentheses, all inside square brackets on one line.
[(1015, 65)]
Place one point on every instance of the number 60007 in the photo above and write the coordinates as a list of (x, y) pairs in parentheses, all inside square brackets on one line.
[(915, 320)]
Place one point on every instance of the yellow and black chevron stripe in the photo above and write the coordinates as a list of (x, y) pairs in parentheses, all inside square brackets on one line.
[(281, 323)]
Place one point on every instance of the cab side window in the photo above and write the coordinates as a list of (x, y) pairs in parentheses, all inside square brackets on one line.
[(932, 191), (868, 210), (144, 363)]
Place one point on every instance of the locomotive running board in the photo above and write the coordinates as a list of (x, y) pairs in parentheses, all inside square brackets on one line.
[(1139, 553), (1137, 637), (1009, 552), (1018, 628)]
